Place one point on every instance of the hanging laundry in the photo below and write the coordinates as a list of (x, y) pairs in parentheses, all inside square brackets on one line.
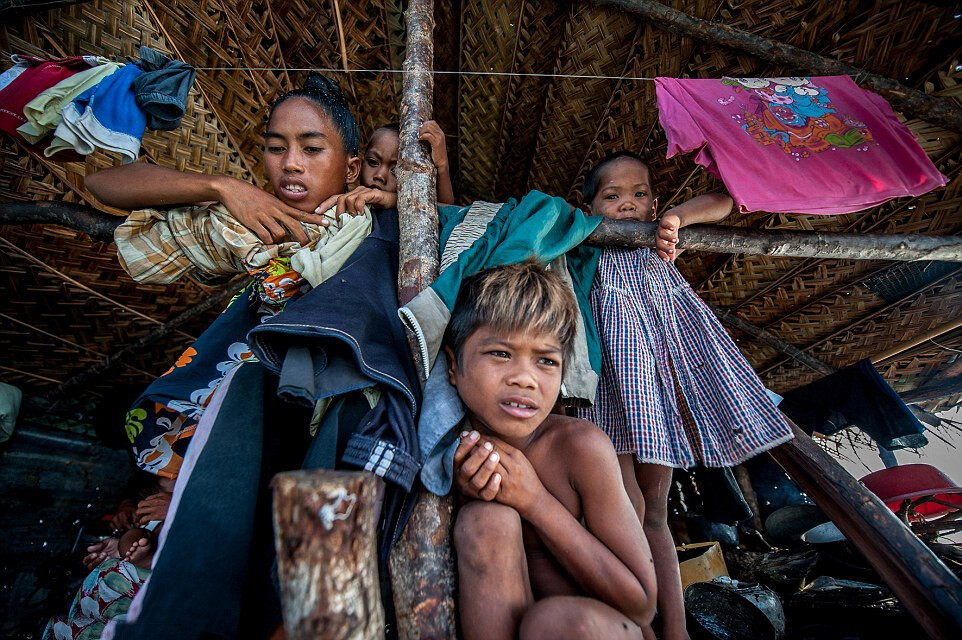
[(44, 112), (856, 396), (30, 82), (814, 145), (105, 116), (162, 90), (20, 64)]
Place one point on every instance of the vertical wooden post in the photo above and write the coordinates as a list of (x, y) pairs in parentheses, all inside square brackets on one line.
[(326, 535), (422, 563)]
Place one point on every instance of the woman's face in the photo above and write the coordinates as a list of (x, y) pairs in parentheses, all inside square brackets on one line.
[(304, 155)]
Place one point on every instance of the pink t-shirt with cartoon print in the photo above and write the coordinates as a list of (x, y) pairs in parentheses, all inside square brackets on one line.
[(817, 145)]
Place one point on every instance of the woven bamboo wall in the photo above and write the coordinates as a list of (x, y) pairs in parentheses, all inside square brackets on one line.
[(68, 303)]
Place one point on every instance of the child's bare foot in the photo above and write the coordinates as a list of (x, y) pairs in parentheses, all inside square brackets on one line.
[(100, 551), (137, 547)]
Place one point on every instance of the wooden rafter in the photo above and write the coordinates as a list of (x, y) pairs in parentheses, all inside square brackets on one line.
[(165, 329), (784, 243), (63, 276), (71, 343), (869, 317)]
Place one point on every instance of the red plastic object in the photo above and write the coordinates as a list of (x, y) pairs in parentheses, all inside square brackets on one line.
[(912, 481)]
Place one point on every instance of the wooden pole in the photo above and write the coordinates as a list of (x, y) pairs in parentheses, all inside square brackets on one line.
[(95, 223), (325, 526), (930, 592), (933, 392), (941, 111), (917, 340), (782, 243), (422, 562), (172, 325), (770, 339)]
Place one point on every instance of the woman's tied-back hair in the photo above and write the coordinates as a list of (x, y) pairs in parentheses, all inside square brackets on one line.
[(515, 297), (590, 187), (325, 93)]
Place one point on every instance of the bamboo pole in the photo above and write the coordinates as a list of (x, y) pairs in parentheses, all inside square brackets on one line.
[(325, 527), (917, 340), (931, 593), (941, 111), (422, 562), (782, 243)]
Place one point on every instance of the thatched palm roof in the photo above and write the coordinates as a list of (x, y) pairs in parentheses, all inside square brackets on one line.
[(68, 303)]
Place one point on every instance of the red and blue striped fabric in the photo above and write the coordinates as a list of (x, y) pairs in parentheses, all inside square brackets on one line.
[(658, 339)]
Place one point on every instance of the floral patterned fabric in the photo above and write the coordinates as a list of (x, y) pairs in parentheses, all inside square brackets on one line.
[(106, 594), (163, 419)]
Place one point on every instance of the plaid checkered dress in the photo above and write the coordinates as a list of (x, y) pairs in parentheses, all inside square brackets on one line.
[(660, 339)]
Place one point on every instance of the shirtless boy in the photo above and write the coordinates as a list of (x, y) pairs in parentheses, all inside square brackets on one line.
[(548, 544)]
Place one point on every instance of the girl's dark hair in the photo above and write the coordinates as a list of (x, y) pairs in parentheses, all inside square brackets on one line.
[(393, 126), (590, 187), (325, 93)]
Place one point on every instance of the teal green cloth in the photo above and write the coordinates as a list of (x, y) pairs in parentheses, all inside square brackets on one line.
[(539, 226)]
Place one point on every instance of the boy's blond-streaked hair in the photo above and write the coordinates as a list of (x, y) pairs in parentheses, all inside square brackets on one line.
[(516, 297)]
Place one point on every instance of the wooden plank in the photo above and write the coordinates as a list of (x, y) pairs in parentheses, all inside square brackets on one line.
[(930, 592)]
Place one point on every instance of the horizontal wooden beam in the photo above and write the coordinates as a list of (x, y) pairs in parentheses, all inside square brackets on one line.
[(95, 223), (941, 111), (785, 244), (933, 392), (930, 592)]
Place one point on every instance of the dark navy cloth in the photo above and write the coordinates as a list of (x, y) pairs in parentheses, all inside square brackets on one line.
[(856, 396), (161, 91), (344, 335)]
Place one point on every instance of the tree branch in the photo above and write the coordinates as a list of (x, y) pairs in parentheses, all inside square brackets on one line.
[(95, 223), (783, 243), (941, 111)]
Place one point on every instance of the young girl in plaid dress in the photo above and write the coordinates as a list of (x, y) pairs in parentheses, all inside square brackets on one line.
[(674, 388)]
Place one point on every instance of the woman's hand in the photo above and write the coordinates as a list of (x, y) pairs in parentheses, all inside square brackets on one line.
[(353, 202), (153, 507), (270, 219)]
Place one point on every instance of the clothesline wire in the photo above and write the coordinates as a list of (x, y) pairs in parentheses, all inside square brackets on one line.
[(512, 74)]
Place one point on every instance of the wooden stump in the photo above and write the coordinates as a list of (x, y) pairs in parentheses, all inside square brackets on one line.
[(325, 532)]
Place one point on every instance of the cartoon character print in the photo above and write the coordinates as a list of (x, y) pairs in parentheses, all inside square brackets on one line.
[(237, 354), (796, 115), (277, 283)]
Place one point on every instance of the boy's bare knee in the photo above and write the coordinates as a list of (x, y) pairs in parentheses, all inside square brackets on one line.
[(483, 528), (561, 617)]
